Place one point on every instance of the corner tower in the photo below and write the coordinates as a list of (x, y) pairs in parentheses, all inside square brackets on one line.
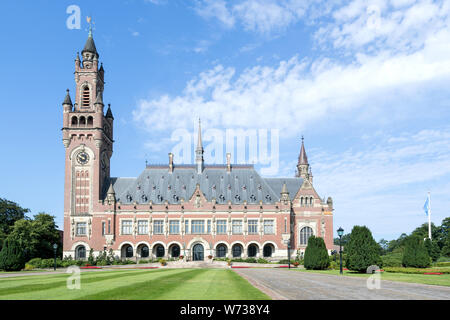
[(87, 136)]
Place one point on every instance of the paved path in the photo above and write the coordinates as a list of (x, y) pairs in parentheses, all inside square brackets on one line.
[(295, 285)]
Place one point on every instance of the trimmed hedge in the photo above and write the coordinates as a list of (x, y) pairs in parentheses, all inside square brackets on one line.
[(12, 256), (415, 254), (316, 254), (417, 270), (362, 250)]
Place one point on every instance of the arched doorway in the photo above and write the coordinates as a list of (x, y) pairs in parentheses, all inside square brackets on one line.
[(143, 251), (237, 251), (252, 250), (159, 251), (221, 251), (127, 251), (267, 250), (175, 251), (80, 253), (198, 252)]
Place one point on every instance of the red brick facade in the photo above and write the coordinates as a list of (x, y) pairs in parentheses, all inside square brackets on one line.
[(97, 217)]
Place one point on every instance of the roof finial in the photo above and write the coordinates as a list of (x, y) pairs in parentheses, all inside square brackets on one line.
[(199, 151), (88, 19)]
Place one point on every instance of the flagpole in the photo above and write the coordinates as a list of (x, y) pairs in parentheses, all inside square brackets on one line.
[(429, 216)]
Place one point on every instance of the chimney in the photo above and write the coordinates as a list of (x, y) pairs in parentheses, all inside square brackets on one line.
[(228, 162), (170, 162)]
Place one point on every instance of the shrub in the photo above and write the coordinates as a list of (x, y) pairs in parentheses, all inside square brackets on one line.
[(143, 261), (393, 259), (417, 270), (442, 264), (415, 254), (101, 263), (91, 259), (362, 251), (334, 265), (250, 260), (12, 257), (29, 267), (35, 262), (162, 261), (284, 261), (262, 260), (316, 254)]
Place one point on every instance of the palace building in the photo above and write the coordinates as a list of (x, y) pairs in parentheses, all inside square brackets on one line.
[(174, 210)]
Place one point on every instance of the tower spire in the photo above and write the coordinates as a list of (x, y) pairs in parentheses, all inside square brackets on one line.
[(303, 165), (199, 151), (302, 158)]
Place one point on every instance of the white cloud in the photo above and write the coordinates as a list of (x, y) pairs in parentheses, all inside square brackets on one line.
[(215, 9), (261, 16), (297, 92), (388, 180)]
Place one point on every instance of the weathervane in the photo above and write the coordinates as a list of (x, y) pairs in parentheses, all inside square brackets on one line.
[(90, 22)]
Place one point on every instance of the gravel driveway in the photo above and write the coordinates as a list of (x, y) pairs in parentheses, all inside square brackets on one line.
[(295, 285)]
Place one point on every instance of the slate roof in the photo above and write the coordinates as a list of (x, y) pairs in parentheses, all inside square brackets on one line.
[(243, 183), (90, 45)]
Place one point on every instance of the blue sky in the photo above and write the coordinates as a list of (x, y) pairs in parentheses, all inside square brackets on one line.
[(365, 82)]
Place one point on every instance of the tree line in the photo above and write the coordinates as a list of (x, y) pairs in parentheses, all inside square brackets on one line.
[(23, 238)]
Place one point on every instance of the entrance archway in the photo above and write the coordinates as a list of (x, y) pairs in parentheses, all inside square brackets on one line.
[(198, 252)]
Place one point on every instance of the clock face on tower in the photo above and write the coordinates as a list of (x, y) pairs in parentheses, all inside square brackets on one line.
[(82, 158)]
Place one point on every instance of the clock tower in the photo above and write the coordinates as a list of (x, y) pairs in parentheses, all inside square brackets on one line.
[(87, 137)]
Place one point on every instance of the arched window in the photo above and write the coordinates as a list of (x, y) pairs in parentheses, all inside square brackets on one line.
[(305, 233), (301, 202), (237, 251), (311, 202), (74, 121), (85, 97), (80, 252), (221, 251), (82, 121), (90, 121)]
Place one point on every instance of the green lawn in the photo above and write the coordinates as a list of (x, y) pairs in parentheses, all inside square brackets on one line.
[(156, 284), (441, 280)]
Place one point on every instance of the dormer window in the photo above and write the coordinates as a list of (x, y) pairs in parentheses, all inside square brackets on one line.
[(85, 97)]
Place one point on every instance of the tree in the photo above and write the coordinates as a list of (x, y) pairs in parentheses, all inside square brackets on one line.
[(12, 256), (436, 233), (384, 245), (433, 249), (362, 250), (445, 252), (316, 254), (415, 254), (397, 243), (46, 231), (345, 239), (10, 212), (37, 236)]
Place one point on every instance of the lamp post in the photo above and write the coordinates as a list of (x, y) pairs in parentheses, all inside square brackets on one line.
[(288, 243), (55, 246), (340, 232)]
